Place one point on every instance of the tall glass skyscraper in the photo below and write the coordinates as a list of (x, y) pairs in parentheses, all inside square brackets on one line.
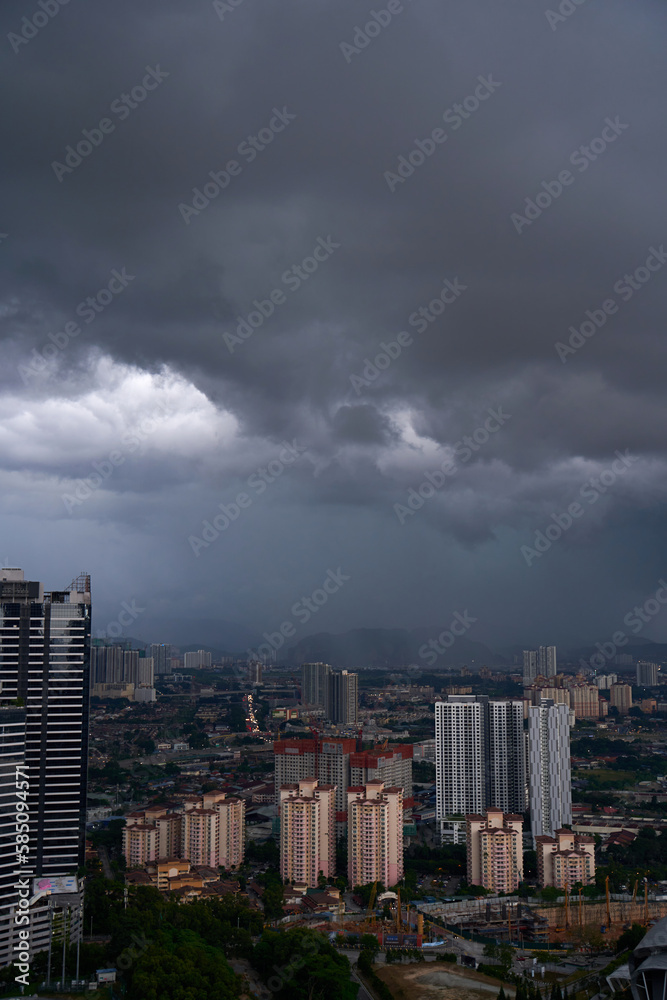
[(314, 682), (12, 756), (45, 663), (342, 702), (162, 654)]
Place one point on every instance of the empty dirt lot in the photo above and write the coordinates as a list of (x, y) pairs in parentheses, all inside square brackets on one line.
[(436, 981)]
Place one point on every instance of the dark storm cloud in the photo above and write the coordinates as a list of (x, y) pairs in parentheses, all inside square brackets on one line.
[(237, 318)]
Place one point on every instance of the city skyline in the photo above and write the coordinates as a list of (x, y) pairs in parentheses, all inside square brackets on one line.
[(333, 481)]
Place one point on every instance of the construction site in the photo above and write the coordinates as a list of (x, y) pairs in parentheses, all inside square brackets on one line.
[(537, 923), (573, 921)]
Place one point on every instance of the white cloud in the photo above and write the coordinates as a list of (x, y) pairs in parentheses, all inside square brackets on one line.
[(51, 432)]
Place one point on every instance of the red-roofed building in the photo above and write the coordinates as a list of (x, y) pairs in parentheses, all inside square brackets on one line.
[(621, 838), (565, 859), (494, 845), (325, 758), (393, 765)]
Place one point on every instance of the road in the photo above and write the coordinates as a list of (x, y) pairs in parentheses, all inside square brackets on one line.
[(251, 719), (363, 993), (242, 967), (179, 756), (104, 861)]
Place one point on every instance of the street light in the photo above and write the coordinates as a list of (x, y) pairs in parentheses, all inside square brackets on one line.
[(48, 964), (65, 914)]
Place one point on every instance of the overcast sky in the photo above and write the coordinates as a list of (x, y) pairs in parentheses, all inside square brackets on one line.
[(365, 195)]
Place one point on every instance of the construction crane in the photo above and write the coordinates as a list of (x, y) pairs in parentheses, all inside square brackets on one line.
[(606, 890), (371, 903)]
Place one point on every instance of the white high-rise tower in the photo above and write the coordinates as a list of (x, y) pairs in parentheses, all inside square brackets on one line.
[(549, 783), (480, 757)]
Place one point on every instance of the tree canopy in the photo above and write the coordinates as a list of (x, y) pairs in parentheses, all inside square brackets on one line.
[(302, 965)]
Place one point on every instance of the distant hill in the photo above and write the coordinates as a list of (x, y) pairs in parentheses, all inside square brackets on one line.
[(390, 648), (221, 638), (639, 649)]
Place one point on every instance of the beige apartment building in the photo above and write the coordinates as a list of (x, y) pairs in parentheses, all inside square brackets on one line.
[(495, 850), (374, 834), (620, 696), (139, 841), (207, 830), (565, 859), (585, 701), (307, 831), (214, 831)]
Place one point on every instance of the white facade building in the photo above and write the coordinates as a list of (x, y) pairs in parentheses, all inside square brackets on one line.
[(480, 757), (540, 662), (549, 781), (459, 761), (547, 664), (196, 660), (605, 681)]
